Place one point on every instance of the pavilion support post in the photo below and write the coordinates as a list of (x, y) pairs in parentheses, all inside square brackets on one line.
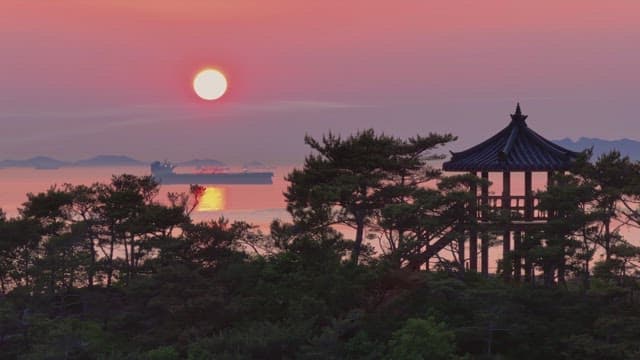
[(550, 182), (484, 200), (473, 249), (484, 247), (550, 175), (517, 259), (506, 207), (528, 196), (461, 252), (473, 231), (528, 265), (506, 191), (561, 272), (507, 256), (484, 253)]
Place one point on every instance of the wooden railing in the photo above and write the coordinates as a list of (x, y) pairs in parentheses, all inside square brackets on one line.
[(520, 207)]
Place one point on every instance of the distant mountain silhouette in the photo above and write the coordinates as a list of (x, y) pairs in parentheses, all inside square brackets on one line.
[(256, 165), (45, 162), (109, 160), (627, 147), (38, 162), (201, 162)]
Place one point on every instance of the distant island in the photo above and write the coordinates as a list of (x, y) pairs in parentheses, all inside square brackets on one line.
[(626, 147), (109, 160), (38, 162), (201, 163), (46, 162)]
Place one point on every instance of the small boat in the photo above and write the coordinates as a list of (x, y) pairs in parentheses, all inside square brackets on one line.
[(163, 173)]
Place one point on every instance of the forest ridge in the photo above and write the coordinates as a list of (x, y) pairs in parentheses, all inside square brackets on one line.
[(107, 271)]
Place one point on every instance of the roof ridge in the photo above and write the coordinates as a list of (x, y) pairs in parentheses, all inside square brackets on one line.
[(516, 147), (510, 140)]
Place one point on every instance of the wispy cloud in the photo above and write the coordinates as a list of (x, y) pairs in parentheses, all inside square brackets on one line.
[(152, 109), (68, 133), (106, 119), (294, 105)]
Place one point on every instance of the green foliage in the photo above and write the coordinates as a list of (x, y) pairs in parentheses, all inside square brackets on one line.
[(421, 339), (107, 271), (163, 353), (257, 340), (66, 339)]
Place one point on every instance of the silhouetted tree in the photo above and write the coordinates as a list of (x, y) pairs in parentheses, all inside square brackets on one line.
[(558, 240), (343, 181), (612, 175)]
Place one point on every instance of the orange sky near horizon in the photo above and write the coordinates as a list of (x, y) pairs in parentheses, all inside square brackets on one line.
[(75, 75)]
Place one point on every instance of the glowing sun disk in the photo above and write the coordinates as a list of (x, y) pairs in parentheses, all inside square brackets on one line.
[(210, 84)]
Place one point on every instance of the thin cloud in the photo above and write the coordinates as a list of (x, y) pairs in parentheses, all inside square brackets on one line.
[(294, 105), (146, 114), (62, 134)]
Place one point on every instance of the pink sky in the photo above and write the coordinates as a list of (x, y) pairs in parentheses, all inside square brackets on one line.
[(80, 78)]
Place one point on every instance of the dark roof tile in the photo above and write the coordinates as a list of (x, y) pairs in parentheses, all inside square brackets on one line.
[(514, 148)]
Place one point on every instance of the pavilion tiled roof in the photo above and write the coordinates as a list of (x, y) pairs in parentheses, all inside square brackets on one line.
[(514, 148)]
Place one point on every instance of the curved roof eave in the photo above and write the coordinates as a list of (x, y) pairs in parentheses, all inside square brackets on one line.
[(514, 148)]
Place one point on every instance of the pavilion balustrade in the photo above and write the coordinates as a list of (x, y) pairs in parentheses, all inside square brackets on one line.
[(520, 207)]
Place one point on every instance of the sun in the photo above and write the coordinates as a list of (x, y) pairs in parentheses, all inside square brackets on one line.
[(210, 84)]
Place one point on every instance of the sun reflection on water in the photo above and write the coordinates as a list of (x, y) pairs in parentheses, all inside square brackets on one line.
[(212, 199)]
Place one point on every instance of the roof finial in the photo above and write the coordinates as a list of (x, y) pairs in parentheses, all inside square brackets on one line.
[(518, 117)]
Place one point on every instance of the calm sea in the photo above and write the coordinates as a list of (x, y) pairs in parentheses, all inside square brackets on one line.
[(257, 204)]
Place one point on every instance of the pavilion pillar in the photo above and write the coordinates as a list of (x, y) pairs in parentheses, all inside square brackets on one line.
[(550, 182), (461, 255), (485, 194), (528, 269), (528, 215), (473, 231), (517, 258), (550, 215), (528, 196), (550, 177), (484, 247), (506, 237)]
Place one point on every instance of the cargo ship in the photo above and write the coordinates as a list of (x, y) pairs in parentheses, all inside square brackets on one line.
[(164, 173)]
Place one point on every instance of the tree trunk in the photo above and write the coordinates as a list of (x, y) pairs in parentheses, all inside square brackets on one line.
[(92, 265), (357, 246), (26, 267), (126, 255), (110, 271), (586, 277), (91, 271), (134, 262), (607, 240), (586, 280), (561, 271), (548, 274)]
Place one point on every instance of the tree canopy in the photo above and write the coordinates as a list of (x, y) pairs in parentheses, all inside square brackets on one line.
[(112, 271)]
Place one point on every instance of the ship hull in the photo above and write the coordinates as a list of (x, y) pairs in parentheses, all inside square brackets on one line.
[(257, 178)]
